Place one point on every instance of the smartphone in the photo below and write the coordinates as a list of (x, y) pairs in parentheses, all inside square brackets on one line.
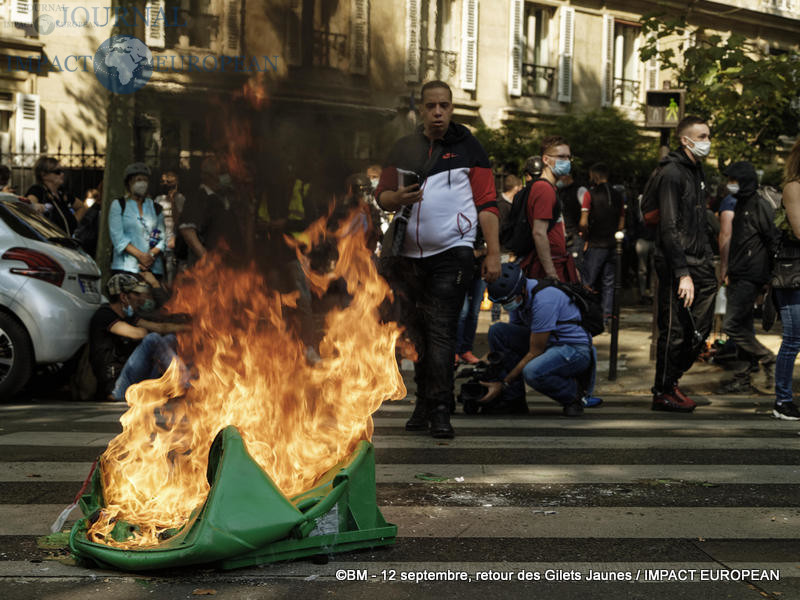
[(406, 178)]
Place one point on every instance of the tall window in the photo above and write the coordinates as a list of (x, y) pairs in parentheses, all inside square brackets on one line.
[(621, 64), (537, 72)]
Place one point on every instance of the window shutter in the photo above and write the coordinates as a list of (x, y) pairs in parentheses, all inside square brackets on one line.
[(232, 30), (22, 11), (412, 40), (294, 33), (469, 44), (154, 34), (359, 37), (608, 61), (27, 131), (515, 48), (652, 71), (565, 48)]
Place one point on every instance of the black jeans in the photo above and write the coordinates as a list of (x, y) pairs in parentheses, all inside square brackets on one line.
[(738, 324), (676, 347), (429, 293)]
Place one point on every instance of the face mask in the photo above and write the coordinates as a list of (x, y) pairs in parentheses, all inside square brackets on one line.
[(733, 188), (561, 167), (148, 305), (514, 304), (700, 149), (225, 181), (374, 183), (128, 310), (139, 188)]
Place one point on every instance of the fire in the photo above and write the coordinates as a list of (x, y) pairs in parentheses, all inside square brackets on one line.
[(297, 420)]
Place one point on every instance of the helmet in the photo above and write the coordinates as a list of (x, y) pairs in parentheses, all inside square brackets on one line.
[(534, 166), (506, 286), (136, 169)]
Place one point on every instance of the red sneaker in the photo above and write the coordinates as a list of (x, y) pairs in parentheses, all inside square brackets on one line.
[(672, 403), (676, 391), (469, 358)]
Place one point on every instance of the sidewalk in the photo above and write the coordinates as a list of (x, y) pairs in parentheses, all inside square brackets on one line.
[(634, 369)]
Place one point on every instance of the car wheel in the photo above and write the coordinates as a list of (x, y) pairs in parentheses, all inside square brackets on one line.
[(16, 356)]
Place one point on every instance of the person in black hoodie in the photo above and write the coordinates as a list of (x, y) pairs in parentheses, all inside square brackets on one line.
[(435, 262), (749, 269), (684, 264)]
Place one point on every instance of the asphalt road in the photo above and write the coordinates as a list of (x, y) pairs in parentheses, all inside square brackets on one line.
[(622, 492)]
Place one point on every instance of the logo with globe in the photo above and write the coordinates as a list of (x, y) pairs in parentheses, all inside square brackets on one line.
[(123, 64)]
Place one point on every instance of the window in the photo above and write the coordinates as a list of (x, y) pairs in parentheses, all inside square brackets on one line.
[(432, 39), (532, 71), (621, 63), (537, 73)]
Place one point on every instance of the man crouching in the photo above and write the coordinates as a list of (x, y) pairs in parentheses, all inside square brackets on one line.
[(543, 344)]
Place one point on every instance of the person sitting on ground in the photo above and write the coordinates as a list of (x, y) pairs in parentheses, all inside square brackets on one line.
[(124, 348), (543, 345)]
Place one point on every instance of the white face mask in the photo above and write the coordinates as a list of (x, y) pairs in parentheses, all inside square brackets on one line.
[(733, 188), (700, 149), (139, 188)]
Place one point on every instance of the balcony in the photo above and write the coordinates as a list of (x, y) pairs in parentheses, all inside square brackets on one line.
[(783, 6), (538, 80), (438, 64), (626, 91), (330, 50)]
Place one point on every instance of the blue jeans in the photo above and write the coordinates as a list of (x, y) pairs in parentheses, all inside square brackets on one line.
[(553, 373), (149, 361), (788, 302), (468, 319), (598, 267)]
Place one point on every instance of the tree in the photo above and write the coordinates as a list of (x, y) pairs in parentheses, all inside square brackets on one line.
[(749, 97)]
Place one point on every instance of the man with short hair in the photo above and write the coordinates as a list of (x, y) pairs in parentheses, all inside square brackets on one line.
[(684, 264), (511, 185), (543, 345), (549, 257), (602, 215), (435, 262)]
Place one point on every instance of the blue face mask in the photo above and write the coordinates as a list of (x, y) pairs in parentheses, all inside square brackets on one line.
[(562, 167), (128, 310), (514, 304)]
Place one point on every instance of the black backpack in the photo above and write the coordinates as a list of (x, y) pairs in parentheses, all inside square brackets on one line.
[(515, 232), (587, 301)]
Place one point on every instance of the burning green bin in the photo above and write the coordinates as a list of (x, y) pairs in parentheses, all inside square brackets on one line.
[(246, 520)]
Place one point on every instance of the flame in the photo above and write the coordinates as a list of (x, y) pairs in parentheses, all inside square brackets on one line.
[(297, 420)]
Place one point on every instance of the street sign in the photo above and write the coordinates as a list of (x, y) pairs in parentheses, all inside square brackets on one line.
[(663, 108)]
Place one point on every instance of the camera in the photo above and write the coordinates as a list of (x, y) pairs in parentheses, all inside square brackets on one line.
[(407, 178), (471, 390)]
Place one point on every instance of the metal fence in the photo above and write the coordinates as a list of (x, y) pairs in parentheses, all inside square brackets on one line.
[(83, 166)]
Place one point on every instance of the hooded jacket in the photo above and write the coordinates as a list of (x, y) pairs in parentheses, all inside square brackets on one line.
[(682, 237), (754, 233), (458, 186)]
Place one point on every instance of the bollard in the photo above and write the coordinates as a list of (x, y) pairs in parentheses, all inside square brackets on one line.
[(612, 359)]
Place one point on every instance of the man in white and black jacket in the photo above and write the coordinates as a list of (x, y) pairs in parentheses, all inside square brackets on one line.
[(435, 263)]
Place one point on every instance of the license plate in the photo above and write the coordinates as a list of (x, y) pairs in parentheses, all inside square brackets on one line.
[(88, 286)]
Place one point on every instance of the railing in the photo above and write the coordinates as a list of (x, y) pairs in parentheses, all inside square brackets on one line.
[(538, 80), (438, 64), (626, 91), (330, 49), (83, 166)]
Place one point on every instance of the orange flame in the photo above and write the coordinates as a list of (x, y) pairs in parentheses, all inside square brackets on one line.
[(297, 420)]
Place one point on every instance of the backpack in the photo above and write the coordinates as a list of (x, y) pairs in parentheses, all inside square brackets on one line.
[(649, 205), (587, 301), (772, 195), (515, 232)]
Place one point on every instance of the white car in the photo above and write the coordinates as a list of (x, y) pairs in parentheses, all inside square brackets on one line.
[(49, 290)]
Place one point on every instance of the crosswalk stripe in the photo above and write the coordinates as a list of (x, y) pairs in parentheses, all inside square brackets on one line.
[(525, 522)]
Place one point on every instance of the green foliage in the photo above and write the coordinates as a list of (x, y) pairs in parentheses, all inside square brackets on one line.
[(602, 135), (750, 98)]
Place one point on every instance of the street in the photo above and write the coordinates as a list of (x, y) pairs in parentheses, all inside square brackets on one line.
[(521, 507)]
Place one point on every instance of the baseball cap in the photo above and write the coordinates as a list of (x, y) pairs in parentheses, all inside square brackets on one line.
[(126, 283)]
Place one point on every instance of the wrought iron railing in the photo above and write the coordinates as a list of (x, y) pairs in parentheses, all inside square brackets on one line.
[(438, 64), (82, 163), (538, 80), (626, 91), (330, 49)]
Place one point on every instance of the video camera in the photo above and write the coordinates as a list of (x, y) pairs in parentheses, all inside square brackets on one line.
[(471, 391)]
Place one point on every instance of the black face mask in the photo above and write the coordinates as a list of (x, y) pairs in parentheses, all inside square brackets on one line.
[(167, 188)]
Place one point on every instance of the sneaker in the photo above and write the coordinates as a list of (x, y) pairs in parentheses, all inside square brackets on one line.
[(573, 409), (671, 402), (469, 358), (676, 391), (591, 401), (786, 411)]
